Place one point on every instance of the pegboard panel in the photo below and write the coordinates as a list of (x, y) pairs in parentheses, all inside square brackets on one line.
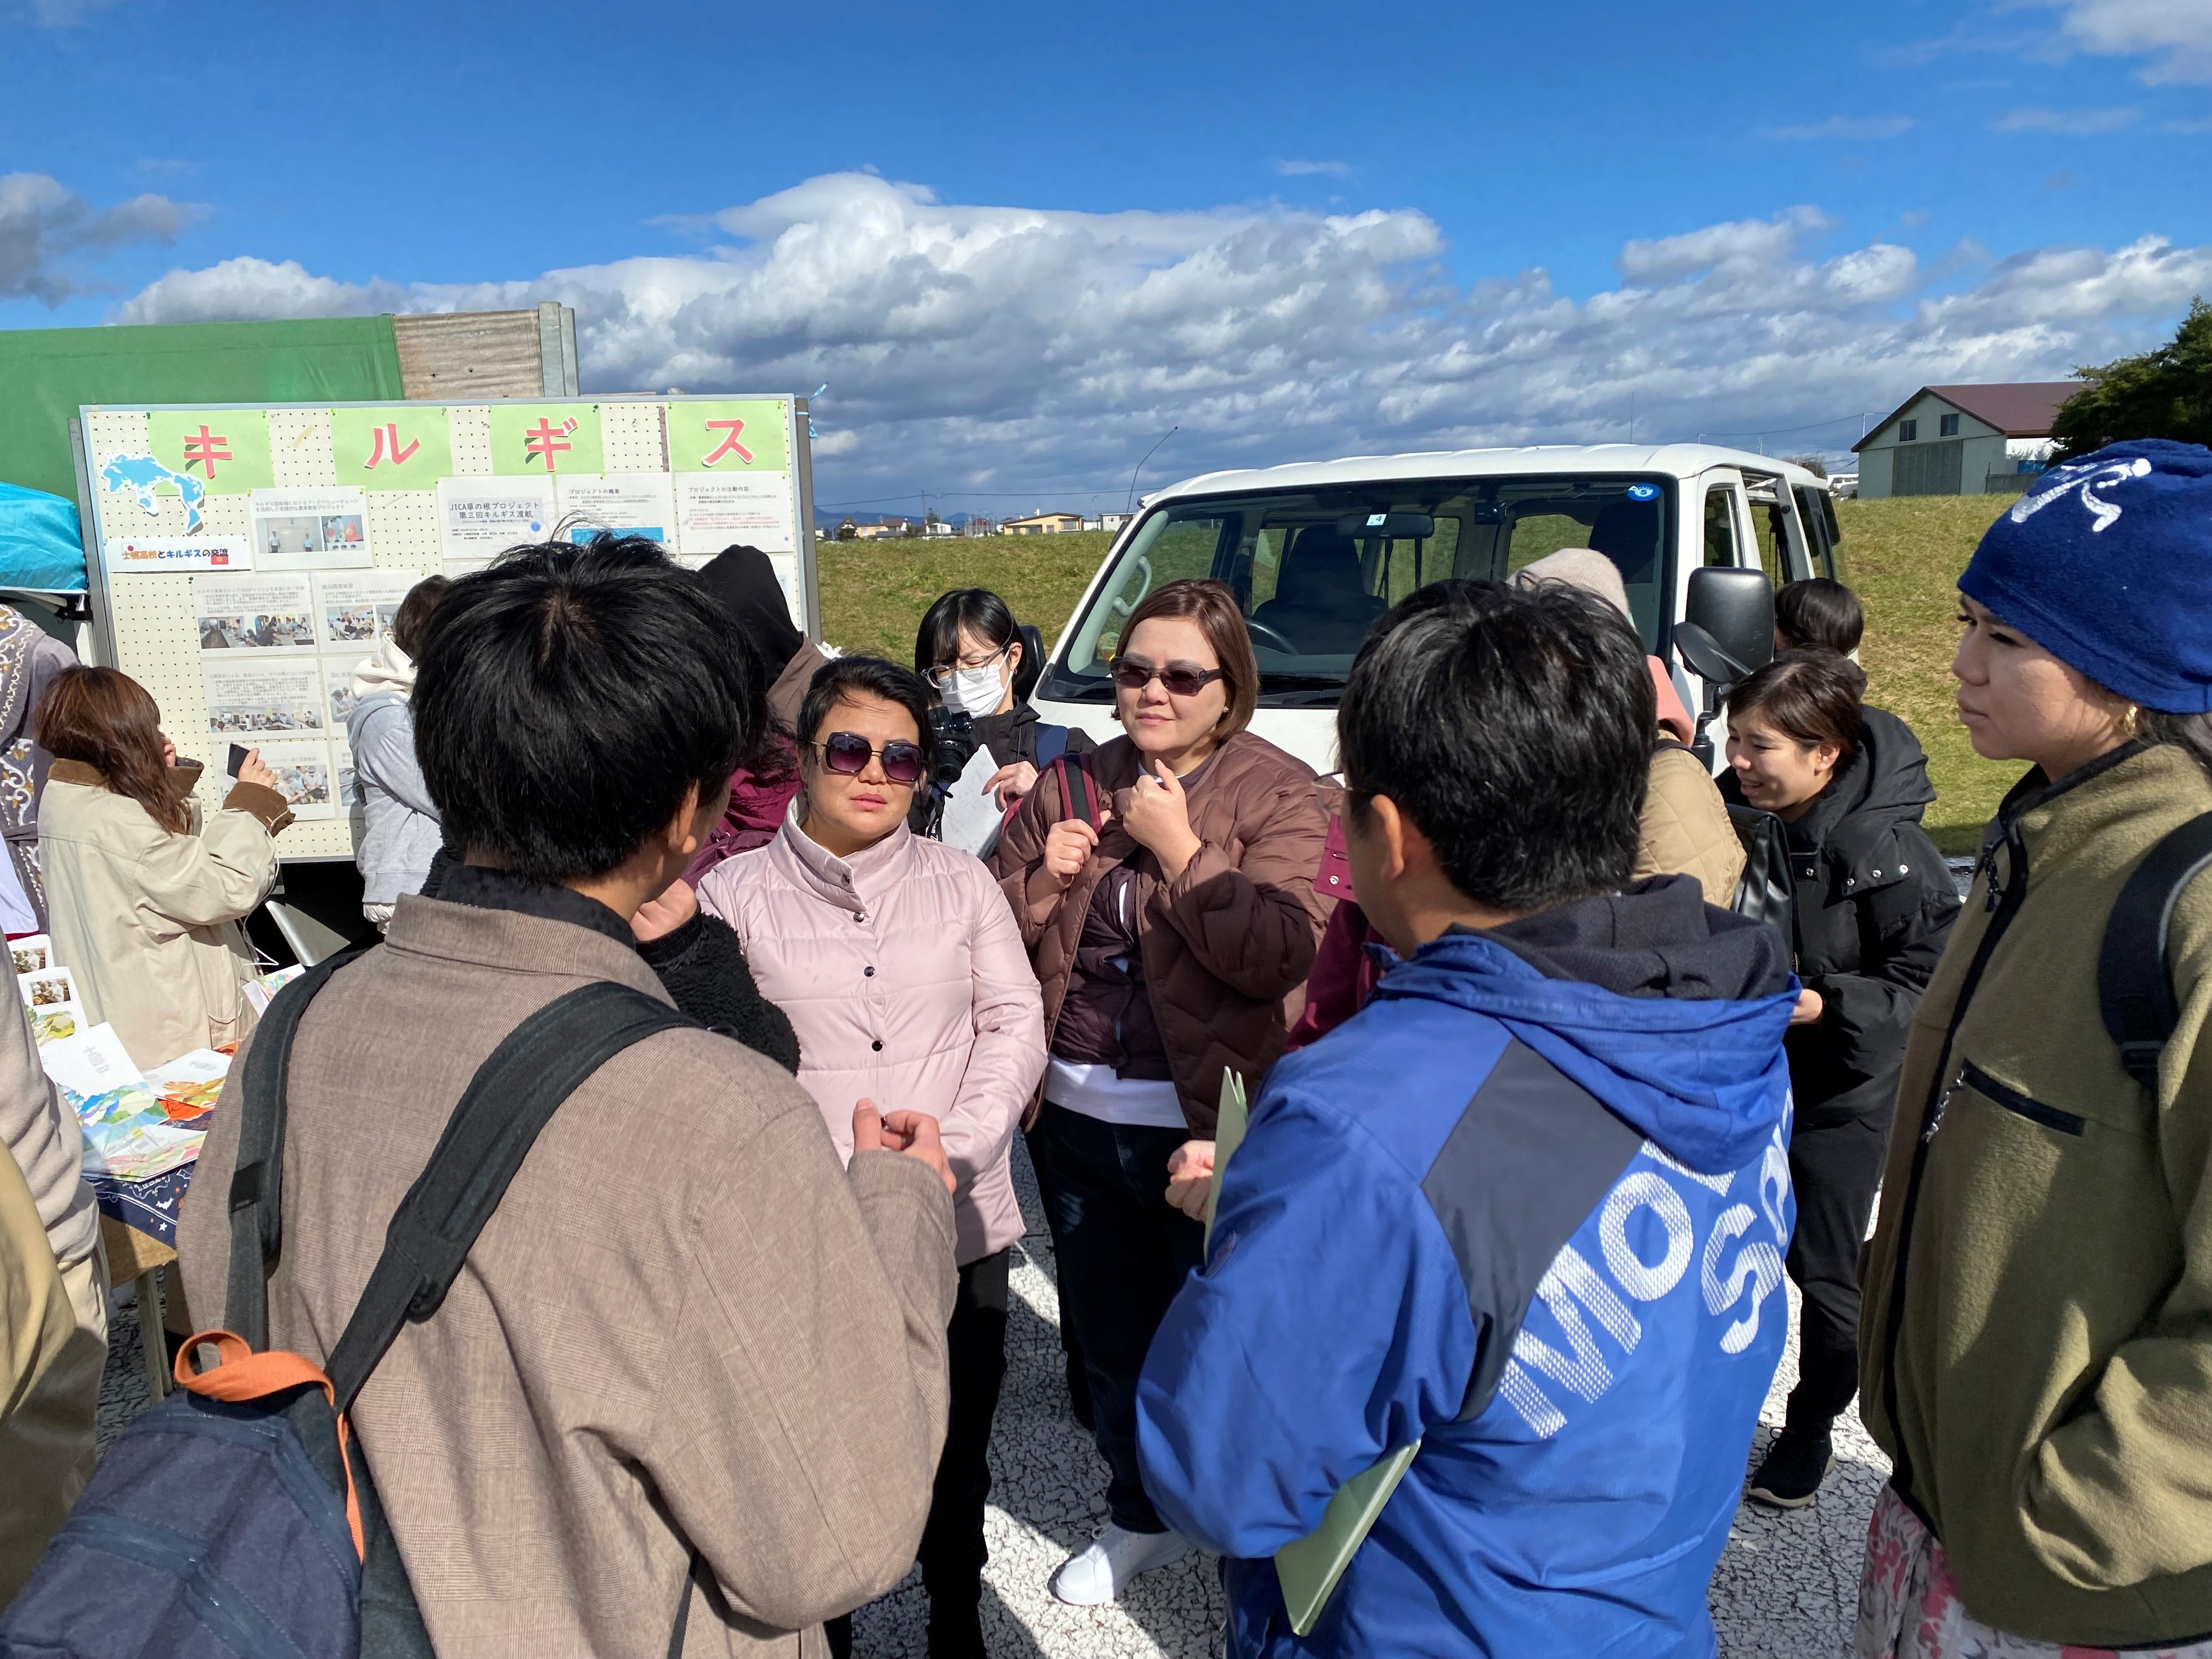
[(468, 429), (300, 454), (633, 437), (273, 643)]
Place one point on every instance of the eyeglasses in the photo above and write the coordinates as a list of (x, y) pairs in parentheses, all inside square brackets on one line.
[(848, 754), (1329, 792), (941, 676), (1181, 679)]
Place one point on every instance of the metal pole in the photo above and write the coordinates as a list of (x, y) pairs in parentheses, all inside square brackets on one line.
[(1130, 505)]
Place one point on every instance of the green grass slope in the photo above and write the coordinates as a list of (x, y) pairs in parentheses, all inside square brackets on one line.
[(1905, 558)]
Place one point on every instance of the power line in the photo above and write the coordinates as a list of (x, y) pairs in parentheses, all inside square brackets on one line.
[(1782, 431)]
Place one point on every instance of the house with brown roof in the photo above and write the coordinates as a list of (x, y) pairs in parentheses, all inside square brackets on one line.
[(1962, 439)]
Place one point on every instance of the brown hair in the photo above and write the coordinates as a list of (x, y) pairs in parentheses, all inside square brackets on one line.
[(1812, 696), (414, 614), (1214, 609), (108, 720)]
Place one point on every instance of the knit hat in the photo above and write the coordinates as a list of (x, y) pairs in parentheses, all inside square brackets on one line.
[(2106, 563), (1585, 568)]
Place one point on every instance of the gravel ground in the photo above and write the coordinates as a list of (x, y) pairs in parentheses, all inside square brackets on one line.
[(1786, 1586)]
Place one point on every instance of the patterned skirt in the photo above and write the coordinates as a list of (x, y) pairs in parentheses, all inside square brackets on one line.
[(1909, 1607)]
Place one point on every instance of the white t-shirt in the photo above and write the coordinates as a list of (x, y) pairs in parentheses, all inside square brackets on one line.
[(1096, 1091)]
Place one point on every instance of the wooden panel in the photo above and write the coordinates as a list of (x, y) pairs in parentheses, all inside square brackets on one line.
[(470, 355)]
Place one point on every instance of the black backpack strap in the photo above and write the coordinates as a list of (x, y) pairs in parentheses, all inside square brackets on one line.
[(256, 1201), (513, 1096), (2135, 984)]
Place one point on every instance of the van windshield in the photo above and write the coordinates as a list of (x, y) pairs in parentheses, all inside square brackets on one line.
[(1313, 568)]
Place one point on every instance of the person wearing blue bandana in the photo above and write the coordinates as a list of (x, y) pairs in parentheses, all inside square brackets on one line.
[(1527, 1208)]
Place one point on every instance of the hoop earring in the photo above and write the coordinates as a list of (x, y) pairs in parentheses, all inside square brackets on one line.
[(2128, 721)]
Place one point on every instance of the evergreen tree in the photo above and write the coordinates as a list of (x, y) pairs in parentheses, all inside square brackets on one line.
[(2166, 393)]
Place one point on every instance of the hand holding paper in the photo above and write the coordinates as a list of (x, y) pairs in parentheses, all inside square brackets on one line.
[(1190, 1178)]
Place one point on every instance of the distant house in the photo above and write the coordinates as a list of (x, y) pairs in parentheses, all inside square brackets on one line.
[(1114, 521), (847, 531), (874, 532), (979, 526), (1962, 439), (1042, 524), (938, 527)]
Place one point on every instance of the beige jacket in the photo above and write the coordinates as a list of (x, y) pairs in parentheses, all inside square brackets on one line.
[(48, 1143), (147, 920), (1686, 829), (36, 1327), (684, 1321)]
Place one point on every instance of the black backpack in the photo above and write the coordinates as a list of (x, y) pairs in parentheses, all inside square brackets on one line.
[(237, 1519), (2135, 982)]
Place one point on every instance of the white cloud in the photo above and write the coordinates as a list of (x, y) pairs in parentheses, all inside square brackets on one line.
[(2175, 35), (2072, 123), (48, 231), (982, 347), (246, 288), (1302, 169), (1849, 126)]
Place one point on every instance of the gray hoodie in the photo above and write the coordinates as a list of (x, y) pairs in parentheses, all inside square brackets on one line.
[(402, 833)]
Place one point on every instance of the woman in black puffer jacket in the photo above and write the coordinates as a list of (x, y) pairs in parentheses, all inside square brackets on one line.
[(1875, 904)]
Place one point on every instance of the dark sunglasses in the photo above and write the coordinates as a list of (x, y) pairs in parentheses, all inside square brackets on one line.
[(848, 752), (1182, 679)]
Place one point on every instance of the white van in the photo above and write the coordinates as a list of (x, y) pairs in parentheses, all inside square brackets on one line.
[(1317, 551)]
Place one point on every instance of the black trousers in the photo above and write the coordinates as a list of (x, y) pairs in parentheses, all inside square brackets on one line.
[(1835, 1169), (1124, 1253), (952, 1554)]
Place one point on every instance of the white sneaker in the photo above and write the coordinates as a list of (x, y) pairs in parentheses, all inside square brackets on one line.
[(1116, 1556)]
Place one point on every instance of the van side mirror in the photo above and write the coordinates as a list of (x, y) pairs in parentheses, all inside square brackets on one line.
[(1734, 609)]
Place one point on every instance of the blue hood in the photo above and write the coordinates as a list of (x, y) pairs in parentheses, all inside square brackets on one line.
[(1687, 1051)]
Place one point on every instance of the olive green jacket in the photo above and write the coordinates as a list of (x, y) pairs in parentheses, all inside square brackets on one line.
[(2044, 1380)]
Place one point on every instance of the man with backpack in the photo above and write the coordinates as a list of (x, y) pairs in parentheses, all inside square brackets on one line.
[(687, 1349), (1527, 1209)]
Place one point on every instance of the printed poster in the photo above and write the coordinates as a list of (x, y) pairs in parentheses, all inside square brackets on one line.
[(354, 610), (713, 511), (226, 449), (627, 503), (542, 440), (391, 448), (304, 777), (479, 519), (250, 699), (310, 529), (727, 435), (263, 613), (158, 554)]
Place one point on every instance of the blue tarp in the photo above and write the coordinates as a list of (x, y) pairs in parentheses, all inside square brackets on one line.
[(40, 546)]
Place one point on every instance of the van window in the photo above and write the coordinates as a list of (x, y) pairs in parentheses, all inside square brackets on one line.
[(1720, 527), (1770, 533), (1313, 568)]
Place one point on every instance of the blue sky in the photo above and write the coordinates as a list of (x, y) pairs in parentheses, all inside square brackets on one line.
[(1019, 242)]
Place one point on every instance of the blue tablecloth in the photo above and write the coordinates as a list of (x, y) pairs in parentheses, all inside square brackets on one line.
[(149, 1205)]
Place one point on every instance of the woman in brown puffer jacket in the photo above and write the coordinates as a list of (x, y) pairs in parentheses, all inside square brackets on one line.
[(1167, 927)]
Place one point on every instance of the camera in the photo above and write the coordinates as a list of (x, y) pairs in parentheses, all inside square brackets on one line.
[(953, 733)]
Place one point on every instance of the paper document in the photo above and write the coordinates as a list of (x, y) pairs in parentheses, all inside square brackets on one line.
[(1309, 1568), (972, 814)]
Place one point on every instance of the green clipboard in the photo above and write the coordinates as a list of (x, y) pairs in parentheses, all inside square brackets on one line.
[(1309, 1568)]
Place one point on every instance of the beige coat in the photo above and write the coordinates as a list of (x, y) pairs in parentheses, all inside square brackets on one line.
[(148, 919), (684, 1321), (1686, 829), (40, 1423)]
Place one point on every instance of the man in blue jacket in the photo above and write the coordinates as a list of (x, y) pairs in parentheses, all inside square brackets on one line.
[(1529, 1207)]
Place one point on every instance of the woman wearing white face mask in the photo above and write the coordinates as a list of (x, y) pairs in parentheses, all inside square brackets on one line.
[(970, 650)]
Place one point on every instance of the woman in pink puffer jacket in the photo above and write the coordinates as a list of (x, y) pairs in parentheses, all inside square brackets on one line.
[(902, 969)]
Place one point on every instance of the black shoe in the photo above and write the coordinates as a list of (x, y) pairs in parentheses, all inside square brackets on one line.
[(1791, 1474)]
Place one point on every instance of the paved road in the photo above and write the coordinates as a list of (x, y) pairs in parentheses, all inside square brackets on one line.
[(1785, 1588)]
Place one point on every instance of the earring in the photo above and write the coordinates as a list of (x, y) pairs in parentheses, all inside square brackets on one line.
[(2128, 721)]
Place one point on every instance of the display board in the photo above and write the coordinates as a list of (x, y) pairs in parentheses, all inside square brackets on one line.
[(250, 558)]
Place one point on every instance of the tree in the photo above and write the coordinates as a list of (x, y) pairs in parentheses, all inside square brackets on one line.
[(2166, 393)]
